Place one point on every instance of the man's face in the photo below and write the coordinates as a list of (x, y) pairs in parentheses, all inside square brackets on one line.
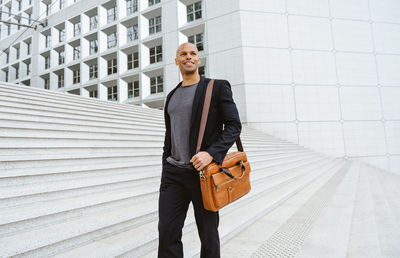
[(187, 58)]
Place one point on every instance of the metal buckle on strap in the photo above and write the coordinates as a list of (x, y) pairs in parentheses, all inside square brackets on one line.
[(201, 174)]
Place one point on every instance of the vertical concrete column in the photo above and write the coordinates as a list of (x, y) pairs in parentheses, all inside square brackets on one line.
[(122, 91), (145, 85), (84, 48), (121, 9), (69, 53), (69, 30), (53, 81), (145, 56), (102, 41), (84, 92), (144, 27), (122, 62), (102, 92), (68, 78), (85, 24), (84, 73), (122, 34), (101, 68), (102, 13)]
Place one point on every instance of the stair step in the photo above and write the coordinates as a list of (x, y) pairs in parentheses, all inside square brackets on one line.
[(14, 169), (14, 195), (64, 114), (137, 240), (62, 98), (17, 117), (39, 104)]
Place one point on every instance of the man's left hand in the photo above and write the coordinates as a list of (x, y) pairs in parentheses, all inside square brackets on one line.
[(201, 160)]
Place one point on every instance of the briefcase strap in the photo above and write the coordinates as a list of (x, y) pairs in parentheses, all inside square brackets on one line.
[(204, 115)]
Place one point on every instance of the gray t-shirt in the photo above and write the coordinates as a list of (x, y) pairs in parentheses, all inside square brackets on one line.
[(180, 112)]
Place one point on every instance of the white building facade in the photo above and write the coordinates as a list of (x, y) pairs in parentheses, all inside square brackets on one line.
[(321, 73)]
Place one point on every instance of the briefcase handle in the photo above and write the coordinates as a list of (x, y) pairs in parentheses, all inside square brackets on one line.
[(204, 115)]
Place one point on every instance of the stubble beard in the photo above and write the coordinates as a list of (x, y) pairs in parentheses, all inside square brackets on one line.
[(188, 72)]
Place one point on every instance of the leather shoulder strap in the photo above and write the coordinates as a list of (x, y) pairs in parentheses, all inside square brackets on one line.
[(204, 115)]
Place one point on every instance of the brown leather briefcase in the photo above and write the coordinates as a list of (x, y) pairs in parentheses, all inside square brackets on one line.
[(221, 185)]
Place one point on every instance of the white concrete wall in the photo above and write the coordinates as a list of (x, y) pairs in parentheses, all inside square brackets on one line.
[(324, 74)]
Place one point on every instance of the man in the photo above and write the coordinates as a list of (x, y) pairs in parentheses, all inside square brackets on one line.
[(180, 183)]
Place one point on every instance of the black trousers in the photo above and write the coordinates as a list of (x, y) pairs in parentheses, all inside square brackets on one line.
[(180, 186)]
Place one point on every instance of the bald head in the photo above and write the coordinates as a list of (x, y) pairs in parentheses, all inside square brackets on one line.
[(185, 45)]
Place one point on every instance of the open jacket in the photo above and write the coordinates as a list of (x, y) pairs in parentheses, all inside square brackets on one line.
[(223, 123)]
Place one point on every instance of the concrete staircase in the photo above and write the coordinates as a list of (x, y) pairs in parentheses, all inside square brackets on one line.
[(79, 177)]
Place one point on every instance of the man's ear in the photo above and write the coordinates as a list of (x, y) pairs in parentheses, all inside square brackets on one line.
[(176, 61)]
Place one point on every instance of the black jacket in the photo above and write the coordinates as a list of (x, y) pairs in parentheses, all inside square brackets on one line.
[(223, 122)]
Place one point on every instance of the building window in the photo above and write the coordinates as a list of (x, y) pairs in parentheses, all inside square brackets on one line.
[(93, 46), (193, 11), (112, 66), (132, 32), (112, 93), (156, 84), (47, 84), (155, 25), (93, 93), (48, 9), (47, 62), (60, 80), (30, 18), (93, 22), (6, 79), (153, 2), (202, 70), (76, 76), (77, 52), (61, 57), (61, 35), (7, 57), (19, 5), (111, 14), (133, 60), (28, 68), (17, 52), (8, 29), (28, 48), (155, 54), (16, 72), (48, 41), (93, 72), (62, 4), (111, 40), (133, 89), (197, 40), (131, 6), (77, 29)]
